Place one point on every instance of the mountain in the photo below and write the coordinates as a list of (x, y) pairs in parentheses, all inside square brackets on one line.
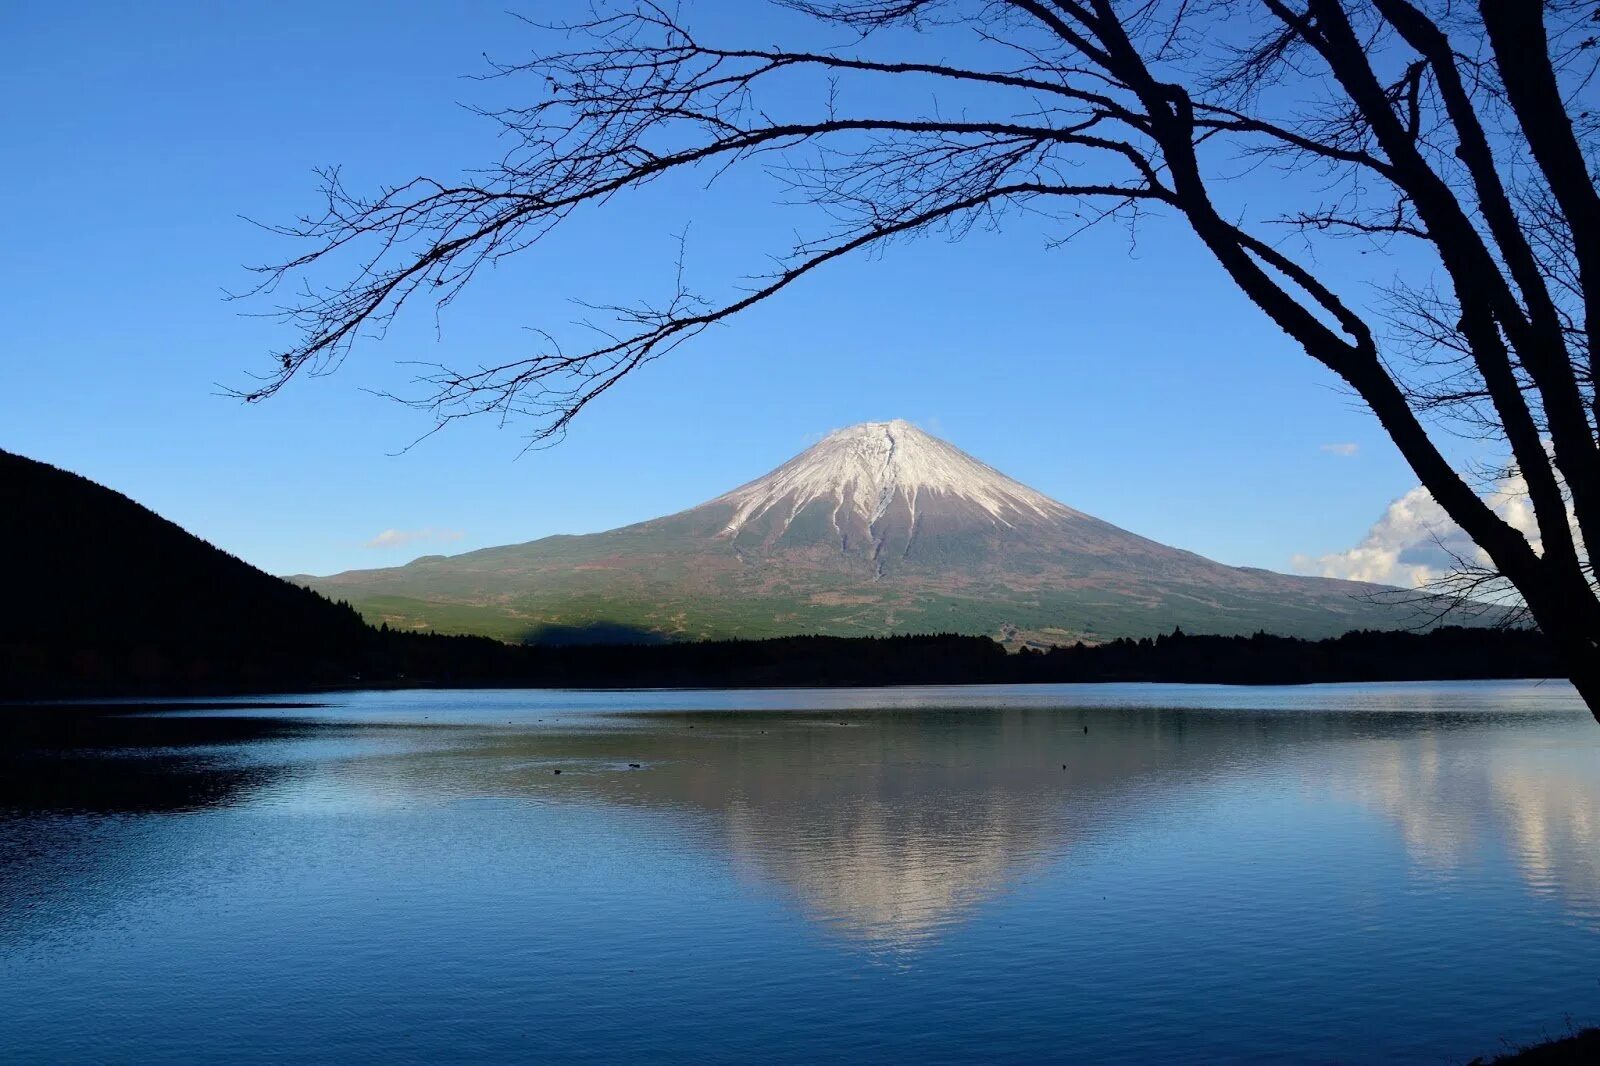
[(102, 592), (879, 528)]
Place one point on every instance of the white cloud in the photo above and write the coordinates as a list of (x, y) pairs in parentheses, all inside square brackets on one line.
[(1415, 543), (1345, 449), (399, 538)]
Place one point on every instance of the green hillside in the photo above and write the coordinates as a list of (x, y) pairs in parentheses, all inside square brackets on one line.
[(682, 604)]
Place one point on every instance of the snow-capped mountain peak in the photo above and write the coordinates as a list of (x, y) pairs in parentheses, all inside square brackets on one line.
[(860, 472), (878, 528)]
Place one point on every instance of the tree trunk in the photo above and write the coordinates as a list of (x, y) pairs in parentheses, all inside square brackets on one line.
[(1586, 679), (1576, 650)]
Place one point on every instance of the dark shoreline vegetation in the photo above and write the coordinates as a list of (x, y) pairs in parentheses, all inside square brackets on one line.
[(1579, 1047), (361, 657)]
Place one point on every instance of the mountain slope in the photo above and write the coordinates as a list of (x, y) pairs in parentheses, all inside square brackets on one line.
[(102, 590), (880, 528)]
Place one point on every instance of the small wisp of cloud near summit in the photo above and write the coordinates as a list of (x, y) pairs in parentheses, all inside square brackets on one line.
[(399, 538)]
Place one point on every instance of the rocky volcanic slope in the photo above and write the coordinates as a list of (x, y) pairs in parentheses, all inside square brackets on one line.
[(880, 528)]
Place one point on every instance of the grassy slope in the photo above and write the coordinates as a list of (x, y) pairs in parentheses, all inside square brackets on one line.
[(726, 610)]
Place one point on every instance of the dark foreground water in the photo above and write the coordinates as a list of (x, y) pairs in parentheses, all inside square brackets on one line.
[(1113, 873)]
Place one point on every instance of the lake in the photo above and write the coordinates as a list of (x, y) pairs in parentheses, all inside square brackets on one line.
[(1337, 873)]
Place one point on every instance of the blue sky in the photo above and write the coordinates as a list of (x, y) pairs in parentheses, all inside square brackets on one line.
[(1132, 383)]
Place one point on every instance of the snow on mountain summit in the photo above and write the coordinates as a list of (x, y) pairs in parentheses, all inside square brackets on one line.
[(862, 470)]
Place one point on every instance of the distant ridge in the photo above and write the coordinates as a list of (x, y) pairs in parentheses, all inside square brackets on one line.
[(878, 529)]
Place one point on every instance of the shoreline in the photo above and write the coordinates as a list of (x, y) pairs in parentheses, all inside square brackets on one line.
[(185, 699), (1580, 1046)]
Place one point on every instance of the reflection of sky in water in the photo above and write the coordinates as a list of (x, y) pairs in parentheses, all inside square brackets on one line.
[(1387, 871)]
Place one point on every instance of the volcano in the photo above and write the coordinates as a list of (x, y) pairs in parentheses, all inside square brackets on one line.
[(879, 528)]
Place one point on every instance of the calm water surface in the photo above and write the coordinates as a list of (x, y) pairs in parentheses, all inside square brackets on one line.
[(1100, 873)]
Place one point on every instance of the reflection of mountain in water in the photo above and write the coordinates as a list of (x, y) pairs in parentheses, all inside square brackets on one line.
[(892, 850), (82, 760), (890, 825), (67, 773), (887, 874), (893, 825), (886, 825)]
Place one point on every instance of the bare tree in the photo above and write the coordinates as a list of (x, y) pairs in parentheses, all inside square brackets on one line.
[(1456, 126)]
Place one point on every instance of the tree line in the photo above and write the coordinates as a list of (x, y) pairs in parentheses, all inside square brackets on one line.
[(366, 657)]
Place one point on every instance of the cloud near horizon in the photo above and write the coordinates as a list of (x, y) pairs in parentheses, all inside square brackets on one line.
[(399, 538), (1345, 449), (1415, 544)]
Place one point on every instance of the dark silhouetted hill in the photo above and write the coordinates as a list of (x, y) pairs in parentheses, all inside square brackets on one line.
[(102, 593)]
